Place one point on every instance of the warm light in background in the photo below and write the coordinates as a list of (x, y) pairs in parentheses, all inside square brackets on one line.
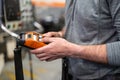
[(51, 3)]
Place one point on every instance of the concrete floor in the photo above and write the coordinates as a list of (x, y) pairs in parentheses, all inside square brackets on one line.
[(41, 70)]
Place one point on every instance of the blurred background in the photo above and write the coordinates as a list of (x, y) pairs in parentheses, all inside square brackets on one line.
[(20, 16)]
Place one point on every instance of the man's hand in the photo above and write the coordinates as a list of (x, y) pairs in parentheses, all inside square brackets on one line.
[(59, 48), (56, 48)]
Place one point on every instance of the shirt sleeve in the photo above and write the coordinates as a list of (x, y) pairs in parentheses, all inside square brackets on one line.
[(113, 49)]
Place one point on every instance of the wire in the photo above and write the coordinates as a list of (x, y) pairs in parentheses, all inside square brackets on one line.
[(9, 32)]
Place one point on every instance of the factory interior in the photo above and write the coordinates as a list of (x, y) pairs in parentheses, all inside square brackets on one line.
[(20, 16)]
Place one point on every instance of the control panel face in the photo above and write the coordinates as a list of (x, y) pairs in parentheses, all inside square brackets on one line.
[(12, 10), (12, 17)]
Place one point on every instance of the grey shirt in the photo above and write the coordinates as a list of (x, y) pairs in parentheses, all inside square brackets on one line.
[(90, 22)]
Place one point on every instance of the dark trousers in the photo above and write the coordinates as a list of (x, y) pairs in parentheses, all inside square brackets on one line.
[(109, 77)]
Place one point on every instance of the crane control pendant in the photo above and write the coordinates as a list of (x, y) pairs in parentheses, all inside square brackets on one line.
[(30, 40)]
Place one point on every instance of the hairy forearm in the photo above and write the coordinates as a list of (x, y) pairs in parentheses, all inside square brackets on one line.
[(96, 53)]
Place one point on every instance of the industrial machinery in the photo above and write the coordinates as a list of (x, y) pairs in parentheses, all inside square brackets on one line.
[(11, 14), (16, 16), (30, 40), (11, 18)]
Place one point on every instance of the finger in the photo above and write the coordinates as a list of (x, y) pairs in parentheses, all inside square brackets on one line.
[(44, 58), (47, 34), (40, 50), (53, 58), (41, 55), (37, 51), (48, 40)]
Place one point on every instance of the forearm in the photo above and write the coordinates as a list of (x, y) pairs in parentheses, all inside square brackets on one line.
[(96, 53)]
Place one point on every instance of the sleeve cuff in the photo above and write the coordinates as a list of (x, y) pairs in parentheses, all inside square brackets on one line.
[(113, 53)]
